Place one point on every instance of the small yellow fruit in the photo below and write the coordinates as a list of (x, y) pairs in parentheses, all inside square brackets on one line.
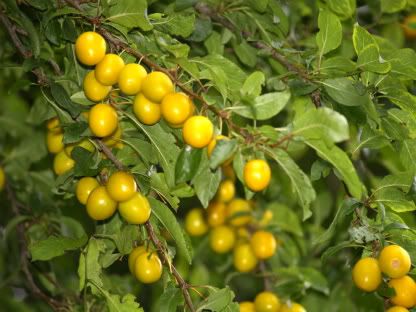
[(54, 142), (84, 188), (195, 223), (267, 301), (53, 125), (244, 258), (397, 309), (176, 108), (62, 163), (146, 111), (136, 210), (90, 48), (103, 120), (148, 268), (121, 186), (239, 212), (108, 70), (133, 257), (156, 85), (130, 79), (2, 178), (257, 174), (113, 139), (216, 213), (198, 131), (366, 274), (405, 289), (226, 191), (394, 261), (264, 244), (247, 306), (222, 239), (292, 307), (100, 205), (93, 90)]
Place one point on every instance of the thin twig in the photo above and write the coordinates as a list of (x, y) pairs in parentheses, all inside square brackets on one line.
[(24, 258), (12, 30), (266, 279)]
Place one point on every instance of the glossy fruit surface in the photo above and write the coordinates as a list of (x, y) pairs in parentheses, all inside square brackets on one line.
[(146, 111), (263, 244), (222, 239), (90, 48), (292, 307), (133, 257), (176, 107), (85, 144), (247, 306), (226, 191), (130, 78), (53, 125), (100, 205), (108, 70), (405, 288), (216, 213), (93, 90), (103, 120), (267, 302), (62, 163), (148, 268), (409, 26), (135, 210), (54, 142), (394, 261), (397, 309), (156, 85), (257, 174), (198, 131), (366, 274), (195, 223), (2, 178), (84, 188), (121, 186), (239, 212), (244, 258)]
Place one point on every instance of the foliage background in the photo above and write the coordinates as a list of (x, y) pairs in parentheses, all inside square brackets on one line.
[(342, 175)]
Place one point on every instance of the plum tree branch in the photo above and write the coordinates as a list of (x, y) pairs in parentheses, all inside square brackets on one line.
[(24, 258), (161, 250)]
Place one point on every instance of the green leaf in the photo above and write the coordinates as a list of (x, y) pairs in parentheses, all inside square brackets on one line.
[(264, 106), (74, 132), (164, 146), (300, 181), (62, 98), (219, 300), (347, 208), (285, 218), (322, 123), (130, 14), (170, 223), (340, 160), (407, 152), (361, 38), (86, 163), (371, 139), (369, 59), (81, 99), (125, 304), (343, 8), (55, 246), (337, 66), (402, 99), (206, 183), (88, 270), (345, 91), (402, 63), (178, 24), (331, 251), (253, 84), (159, 185), (188, 163), (392, 6), (124, 239), (329, 36), (224, 150), (170, 299)]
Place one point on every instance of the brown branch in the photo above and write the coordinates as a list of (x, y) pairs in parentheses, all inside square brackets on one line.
[(12, 30), (24, 255), (266, 280), (163, 254), (107, 152)]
